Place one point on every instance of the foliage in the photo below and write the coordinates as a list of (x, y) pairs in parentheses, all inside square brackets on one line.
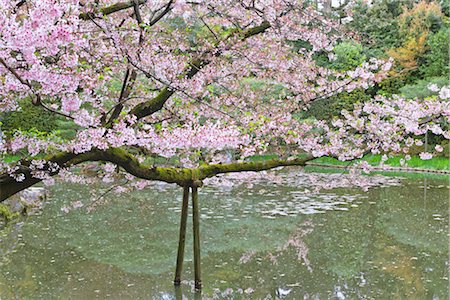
[(408, 31), (377, 24), (423, 17), (408, 54), (436, 163), (392, 85), (327, 108), (445, 5), (66, 129), (436, 60), (29, 117), (420, 88), (415, 26), (345, 56), (348, 55)]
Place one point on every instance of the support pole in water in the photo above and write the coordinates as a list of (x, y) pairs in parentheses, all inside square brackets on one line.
[(196, 229), (182, 238)]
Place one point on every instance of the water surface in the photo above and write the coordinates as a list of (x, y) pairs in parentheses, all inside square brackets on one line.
[(270, 237)]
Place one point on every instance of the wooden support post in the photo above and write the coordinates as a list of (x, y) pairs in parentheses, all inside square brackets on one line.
[(182, 238), (178, 292), (196, 229)]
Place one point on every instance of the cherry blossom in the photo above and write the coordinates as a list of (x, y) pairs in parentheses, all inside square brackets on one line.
[(195, 83)]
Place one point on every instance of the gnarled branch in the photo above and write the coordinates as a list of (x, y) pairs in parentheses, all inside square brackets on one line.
[(155, 104), (110, 9), (181, 176)]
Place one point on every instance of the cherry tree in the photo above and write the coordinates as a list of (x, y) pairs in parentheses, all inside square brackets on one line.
[(176, 80)]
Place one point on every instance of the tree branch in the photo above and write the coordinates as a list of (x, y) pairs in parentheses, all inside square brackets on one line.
[(124, 93), (215, 169), (149, 107), (158, 17), (120, 157), (110, 9)]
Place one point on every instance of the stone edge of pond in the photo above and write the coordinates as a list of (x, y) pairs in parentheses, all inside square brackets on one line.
[(27, 202), (385, 168)]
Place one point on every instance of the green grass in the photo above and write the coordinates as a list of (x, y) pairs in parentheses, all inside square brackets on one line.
[(10, 158), (436, 163)]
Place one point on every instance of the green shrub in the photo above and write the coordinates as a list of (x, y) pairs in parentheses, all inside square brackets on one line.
[(27, 118), (437, 57), (420, 88), (391, 86), (349, 55), (326, 109), (445, 5)]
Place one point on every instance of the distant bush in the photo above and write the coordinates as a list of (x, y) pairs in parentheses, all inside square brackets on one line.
[(420, 89), (391, 85), (348, 55), (28, 117), (326, 109), (437, 57)]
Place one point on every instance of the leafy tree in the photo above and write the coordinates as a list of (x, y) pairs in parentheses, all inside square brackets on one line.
[(408, 31), (377, 24), (408, 54), (415, 26), (436, 60)]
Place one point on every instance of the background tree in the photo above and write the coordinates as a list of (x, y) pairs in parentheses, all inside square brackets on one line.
[(415, 27), (408, 31)]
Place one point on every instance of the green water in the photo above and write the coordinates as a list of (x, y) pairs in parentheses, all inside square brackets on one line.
[(268, 238)]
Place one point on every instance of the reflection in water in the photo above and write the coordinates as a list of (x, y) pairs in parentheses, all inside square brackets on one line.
[(275, 240)]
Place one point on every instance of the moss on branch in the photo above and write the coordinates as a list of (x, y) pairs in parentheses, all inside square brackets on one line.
[(181, 176), (256, 30), (155, 104), (6, 214), (255, 166), (110, 9)]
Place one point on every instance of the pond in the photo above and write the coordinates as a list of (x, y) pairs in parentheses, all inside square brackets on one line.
[(267, 237)]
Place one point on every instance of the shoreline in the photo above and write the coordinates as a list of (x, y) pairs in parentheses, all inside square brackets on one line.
[(385, 168)]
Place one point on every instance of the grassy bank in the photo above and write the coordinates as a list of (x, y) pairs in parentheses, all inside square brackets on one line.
[(409, 175), (436, 163)]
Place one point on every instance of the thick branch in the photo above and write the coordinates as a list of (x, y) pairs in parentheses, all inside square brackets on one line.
[(153, 105), (256, 30), (110, 9), (9, 186), (215, 169), (181, 176), (158, 17)]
